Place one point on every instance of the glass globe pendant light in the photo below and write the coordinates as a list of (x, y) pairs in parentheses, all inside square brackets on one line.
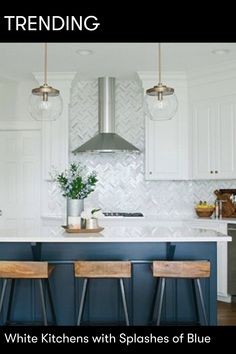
[(161, 101), (45, 103)]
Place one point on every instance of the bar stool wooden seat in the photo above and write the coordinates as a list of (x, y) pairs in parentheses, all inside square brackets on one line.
[(102, 270), (193, 270), (10, 271)]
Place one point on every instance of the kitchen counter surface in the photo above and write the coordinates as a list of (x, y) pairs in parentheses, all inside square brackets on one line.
[(115, 233), (212, 220), (151, 219)]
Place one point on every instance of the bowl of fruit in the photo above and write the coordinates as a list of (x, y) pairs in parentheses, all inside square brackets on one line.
[(204, 210)]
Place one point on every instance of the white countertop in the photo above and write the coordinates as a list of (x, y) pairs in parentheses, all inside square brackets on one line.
[(151, 219), (147, 219), (115, 233), (211, 220)]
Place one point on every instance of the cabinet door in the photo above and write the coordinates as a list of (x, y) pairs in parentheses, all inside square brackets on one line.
[(203, 140), (214, 139), (20, 179), (162, 149), (166, 142), (225, 164)]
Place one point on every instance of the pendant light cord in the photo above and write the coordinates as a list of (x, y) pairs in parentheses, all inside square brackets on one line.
[(159, 62), (45, 63)]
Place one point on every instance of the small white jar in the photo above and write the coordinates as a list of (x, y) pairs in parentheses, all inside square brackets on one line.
[(91, 223)]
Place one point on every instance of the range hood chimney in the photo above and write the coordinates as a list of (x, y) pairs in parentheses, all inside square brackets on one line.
[(106, 140)]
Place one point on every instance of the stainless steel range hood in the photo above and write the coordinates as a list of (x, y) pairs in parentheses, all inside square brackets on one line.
[(106, 140)]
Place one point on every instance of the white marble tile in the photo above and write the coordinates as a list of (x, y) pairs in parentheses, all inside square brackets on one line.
[(121, 184)]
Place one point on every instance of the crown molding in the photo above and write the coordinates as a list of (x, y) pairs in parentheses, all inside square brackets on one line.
[(213, 73), (55, 76), (167, 75), (173, 79), (6, 80), (19, 125)]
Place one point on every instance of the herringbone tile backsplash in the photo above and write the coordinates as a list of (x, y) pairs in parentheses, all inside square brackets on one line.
[(121, 185)]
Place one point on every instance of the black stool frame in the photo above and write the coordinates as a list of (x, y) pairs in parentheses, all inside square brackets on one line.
[(42, 283), (83, 298), (197, 289)]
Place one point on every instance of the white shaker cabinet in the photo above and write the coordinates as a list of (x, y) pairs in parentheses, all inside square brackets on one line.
[(214, 138), (166, 142)]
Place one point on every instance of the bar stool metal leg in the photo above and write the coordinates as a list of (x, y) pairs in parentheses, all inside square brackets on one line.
[(43, 302), (10, 300), (154, 302), (4, 286), (50, 301), (161, 290), (195, 301), (122, 289), (203, 308), (82, 301)]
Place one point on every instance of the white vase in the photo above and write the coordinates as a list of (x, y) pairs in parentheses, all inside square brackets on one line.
[(74, 210), (91, 224)]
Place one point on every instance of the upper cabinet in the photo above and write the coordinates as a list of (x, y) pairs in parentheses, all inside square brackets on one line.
[(200, 141), (214, 138), (166, 142)]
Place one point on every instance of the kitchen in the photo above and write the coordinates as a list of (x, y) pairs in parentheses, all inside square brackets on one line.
[(181, 161)]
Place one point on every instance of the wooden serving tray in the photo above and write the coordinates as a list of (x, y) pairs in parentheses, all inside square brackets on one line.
[(82, 231)]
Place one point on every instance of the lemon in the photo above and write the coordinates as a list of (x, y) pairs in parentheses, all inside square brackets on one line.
[(204, 205)]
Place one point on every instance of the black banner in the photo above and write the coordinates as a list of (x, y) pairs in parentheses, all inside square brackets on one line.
[(127, 339), (117, 23)]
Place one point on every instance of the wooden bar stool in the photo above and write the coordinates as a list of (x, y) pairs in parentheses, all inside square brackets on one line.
[(37, 271), (193, 270), (102, 270)]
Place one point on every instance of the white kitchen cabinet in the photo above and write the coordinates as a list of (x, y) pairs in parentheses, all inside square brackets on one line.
[(214, 138), (54, 147), (166, 142), (222, 255)]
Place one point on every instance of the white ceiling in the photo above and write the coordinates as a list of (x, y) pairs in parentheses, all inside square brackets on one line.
[(122, 60)]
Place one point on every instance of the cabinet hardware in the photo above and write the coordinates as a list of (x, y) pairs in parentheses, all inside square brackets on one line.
[(216, 171), (211, 171), (150, 173)]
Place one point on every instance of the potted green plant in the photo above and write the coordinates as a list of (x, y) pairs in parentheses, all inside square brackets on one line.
[(75, 183)]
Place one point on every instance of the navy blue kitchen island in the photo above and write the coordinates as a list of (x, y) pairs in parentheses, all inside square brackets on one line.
[(103, 305)]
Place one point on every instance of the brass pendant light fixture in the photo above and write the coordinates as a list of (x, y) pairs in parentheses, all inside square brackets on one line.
[(161, 101), (45, 102)]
